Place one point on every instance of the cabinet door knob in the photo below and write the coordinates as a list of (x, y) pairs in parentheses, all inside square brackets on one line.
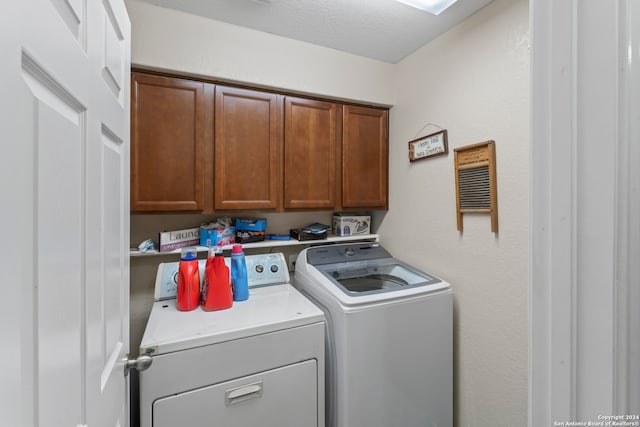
[(140, 364)]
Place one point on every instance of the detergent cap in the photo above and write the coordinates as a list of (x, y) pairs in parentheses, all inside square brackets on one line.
[(215, 251), (189, 254), (237, 249)]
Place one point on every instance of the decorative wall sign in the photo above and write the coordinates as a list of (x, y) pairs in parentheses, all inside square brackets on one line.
[(428, 146), (476, 188)]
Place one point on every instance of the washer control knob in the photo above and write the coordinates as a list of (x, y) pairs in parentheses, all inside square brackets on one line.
[(274, 268), (259, 268), (349, 252)]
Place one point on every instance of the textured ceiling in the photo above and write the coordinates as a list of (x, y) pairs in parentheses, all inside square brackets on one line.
[(380, 29)]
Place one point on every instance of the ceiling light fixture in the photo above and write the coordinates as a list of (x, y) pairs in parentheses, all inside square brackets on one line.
[(434, 7)]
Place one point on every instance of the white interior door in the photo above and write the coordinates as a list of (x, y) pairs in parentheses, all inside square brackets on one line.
[(67, 163)]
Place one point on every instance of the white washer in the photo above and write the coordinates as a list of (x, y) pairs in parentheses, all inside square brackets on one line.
[(389, 337), (261, 362)]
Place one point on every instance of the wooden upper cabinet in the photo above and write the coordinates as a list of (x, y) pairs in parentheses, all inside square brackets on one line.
[(196, 147), (167, 143), (309, 153), (364, 158), (247, 167)]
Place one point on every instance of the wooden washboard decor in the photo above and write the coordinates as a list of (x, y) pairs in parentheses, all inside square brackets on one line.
[(476, 188)]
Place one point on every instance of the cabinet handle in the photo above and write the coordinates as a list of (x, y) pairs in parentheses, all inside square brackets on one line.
[(245, 392)]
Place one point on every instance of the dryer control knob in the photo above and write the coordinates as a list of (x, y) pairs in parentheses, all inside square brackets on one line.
[(349, 252)]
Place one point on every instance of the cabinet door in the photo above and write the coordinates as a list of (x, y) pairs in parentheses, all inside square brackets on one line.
[(167, 143), (246, 149), (364, 157), (309, 153)]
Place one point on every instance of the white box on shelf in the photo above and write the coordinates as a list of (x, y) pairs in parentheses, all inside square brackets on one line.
[(351, 224), (170, 240)]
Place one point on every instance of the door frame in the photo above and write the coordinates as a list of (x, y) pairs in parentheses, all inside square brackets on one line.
[(584, 211)]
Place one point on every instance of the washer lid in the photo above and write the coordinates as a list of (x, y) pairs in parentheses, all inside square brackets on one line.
[(368, 277), (358, 274), (268, 309)]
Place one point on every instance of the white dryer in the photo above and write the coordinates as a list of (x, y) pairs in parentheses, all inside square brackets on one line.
[(261, 362), (389, 337)]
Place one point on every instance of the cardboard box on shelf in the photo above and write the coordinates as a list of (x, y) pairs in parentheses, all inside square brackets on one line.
[(251, 224), (351, 224), (245, 236), (170, 240), (218, 236)]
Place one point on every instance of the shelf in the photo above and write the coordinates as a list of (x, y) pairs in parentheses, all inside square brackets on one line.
[(267, 244)]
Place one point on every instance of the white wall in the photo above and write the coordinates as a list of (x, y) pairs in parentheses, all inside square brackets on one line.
[(473, 81), (172, 40)]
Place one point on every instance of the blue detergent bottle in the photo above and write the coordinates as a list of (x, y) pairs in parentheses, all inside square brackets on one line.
[(239, 279)]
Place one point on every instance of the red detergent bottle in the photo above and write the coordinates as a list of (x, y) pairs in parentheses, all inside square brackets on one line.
[(216, 289), (188, 280)]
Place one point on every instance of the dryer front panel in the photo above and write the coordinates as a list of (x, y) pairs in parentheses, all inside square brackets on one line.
[(280, 397)]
